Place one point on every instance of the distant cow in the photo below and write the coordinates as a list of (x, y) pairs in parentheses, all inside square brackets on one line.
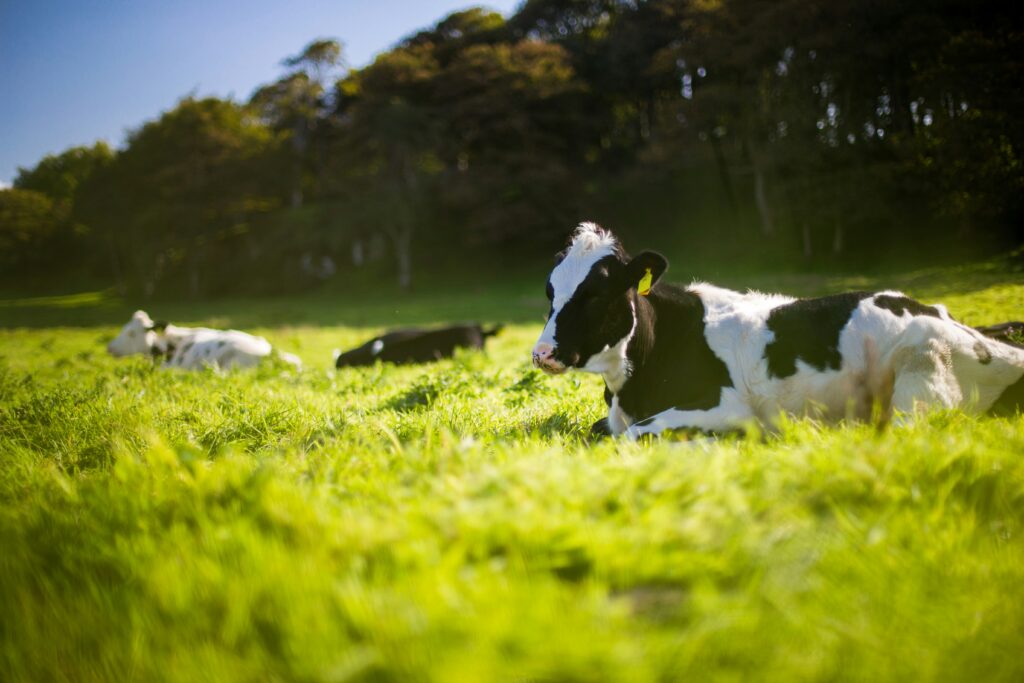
[(1005, 332), (413, 345), (711, 359), (191, 348)]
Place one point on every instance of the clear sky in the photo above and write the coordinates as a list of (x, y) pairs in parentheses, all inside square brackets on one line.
[(76, 71)]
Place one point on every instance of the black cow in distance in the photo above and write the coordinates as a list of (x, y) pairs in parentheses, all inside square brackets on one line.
[(416, 345)]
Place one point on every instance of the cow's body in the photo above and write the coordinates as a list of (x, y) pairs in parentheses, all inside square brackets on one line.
[(224, 349), (707, 358), (414, 345), (192, 348)]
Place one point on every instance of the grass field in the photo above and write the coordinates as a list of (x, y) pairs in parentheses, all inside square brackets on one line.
[(454, 523)]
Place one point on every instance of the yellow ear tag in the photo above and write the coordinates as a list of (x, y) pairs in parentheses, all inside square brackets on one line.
[(644, 288)]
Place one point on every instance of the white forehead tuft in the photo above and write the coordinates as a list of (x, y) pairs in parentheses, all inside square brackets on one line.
[(590, 244), (589, 236)]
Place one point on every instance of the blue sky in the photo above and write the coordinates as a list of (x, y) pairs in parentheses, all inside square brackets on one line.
[(73, 72)]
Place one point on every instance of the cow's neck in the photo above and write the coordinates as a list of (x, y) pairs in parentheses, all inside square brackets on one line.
[(612, 363), (168, 339), (175, 334), (642, 340), (676, 316), (617, 363)]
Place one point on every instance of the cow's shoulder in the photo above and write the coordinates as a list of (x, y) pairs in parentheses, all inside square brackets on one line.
[(809, 330), (675, 367), (899, 304), (727, 305)]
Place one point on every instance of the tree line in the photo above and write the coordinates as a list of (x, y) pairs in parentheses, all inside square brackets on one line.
[(819, 131)]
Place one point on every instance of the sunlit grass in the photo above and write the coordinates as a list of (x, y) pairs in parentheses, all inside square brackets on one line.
[(76, 300), (454, 522)]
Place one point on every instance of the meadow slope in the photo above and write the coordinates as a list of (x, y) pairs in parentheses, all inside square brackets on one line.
[(453, 522)]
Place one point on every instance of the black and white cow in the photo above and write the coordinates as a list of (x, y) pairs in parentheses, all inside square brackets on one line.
[(706, 358), (416, 345), (192, 348)]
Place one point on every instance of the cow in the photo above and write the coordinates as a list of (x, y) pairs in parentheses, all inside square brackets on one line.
[(1010, 333), (415, 345), (192, 348), (713, 360)]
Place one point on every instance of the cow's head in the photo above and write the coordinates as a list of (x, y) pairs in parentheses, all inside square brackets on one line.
[(592, 291), (139, 335)]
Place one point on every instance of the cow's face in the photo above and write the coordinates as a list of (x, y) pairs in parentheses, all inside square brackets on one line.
[(138, 336), (592, 291)]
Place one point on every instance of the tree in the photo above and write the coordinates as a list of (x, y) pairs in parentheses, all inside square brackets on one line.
[(183, 188), (514, 138), (390, 144), (59, 176), (28, 221), (298, 104), (826, 126)]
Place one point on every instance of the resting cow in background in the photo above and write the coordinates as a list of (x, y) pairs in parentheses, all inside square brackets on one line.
[(191, 348), (711, 359), (1010, 333), (413, 345)]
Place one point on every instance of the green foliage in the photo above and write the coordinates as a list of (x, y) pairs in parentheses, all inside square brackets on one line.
[(820, 132), (28, 220), (454, 522), (59, 176), (298, 105), (176, 200), (321, 54), (39, 222)]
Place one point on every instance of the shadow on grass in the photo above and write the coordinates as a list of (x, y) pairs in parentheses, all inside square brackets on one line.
[(508, 299), (505, 303), (549, 426)]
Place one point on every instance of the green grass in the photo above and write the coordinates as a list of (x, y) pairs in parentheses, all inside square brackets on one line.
[(453, 522)]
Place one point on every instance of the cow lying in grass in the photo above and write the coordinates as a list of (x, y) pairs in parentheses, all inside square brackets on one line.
[(711, 359), (192, 348), (1011, 333), (414, 345)]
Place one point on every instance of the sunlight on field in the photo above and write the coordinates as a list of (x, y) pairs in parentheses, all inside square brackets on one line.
[(453, 522), (81, 299)]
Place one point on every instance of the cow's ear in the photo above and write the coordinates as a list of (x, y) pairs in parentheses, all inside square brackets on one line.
[(159, 325), (644, 270)]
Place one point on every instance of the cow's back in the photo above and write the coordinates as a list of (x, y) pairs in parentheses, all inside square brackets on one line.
[(837, 355), (431, 345), (414, 345), (225, 349)]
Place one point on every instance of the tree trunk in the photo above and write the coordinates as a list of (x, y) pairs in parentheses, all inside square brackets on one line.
[(115, 265), (646, 115), (837, 236), (761, 199), (299, 145), (402, 240), (723, 171), (764, 210), (193, 280)]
